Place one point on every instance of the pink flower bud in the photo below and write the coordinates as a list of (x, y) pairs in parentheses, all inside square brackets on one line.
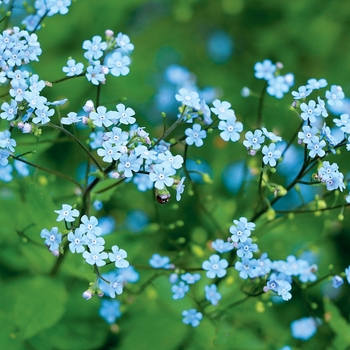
[(109, 33), (89, 106), (87, 294)]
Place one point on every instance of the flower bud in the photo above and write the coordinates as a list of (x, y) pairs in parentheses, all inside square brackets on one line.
[(87, 294)]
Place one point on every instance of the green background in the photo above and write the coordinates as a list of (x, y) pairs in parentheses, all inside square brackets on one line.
[(41, 312)]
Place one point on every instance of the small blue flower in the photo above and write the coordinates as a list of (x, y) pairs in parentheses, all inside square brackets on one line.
[(246, 268), (89, 225), (215, 266), (283, 288), (72, 118), (116, 286), (195, 135), (118, 256), (180, 187), (270, 135), (308, 134), (179, 290), (190, 99), (162, 176), (277, 87), (347, 273), (78, 239), (52, 238), (310, 111), (335, 96), (221, 246), (245, 249), (94, 48), (264, 70), (102, 117), (73, 68), (304, 328), (212, 294), (255, 140), (129, 164), (302, 92), (109, 310), (222, 109), (125, 115), (316, 148), (231, 129), (158, 261), (95, 256), (67, 213), (315, 84), (192, 317), (118, 64), (123, 41), (190, 278), (271, 154), (337, 281)]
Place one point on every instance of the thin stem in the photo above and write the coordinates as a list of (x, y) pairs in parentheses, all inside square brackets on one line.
[(39, 167), (86, 150)]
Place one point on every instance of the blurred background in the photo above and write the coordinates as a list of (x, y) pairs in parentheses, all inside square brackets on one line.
[(212, 46)]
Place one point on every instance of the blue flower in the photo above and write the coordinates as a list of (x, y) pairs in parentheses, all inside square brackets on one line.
[(277, 87), (283, 288), (246, 268), (9, 110), (304, 328), (118, 64), (58, 7), (215, 267), (245, 249), (118, 256), (129, 164), (158, 261), (180, 187), (221, 246), (179, 290), (123, 41), (231, 129), (310, 111), (95, 256), (43, 115), (190, 278), (308, 134), (52, 238), (129, 273), (102, 117), (271, 154), (116, 286), (335, 96), (270, 135), (109, 152), (125, 115), (222, 109), (302, 92), (95, 74), (190, 99), (67, 213), (347, 273), (195, 135), (168, 160), (315, 84), (192, 317), (78, 239), (109, 310), (72, 118), (255, 140), (264, 70), (337, 281), (161, 176), (212, 294), (94, 48), (316, 148), (73, 68)]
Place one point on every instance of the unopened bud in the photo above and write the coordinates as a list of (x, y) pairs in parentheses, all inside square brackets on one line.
[(87, 294)]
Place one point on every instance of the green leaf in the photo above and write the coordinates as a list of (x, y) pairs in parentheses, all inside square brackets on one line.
[(39, 302), (338, 324)]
